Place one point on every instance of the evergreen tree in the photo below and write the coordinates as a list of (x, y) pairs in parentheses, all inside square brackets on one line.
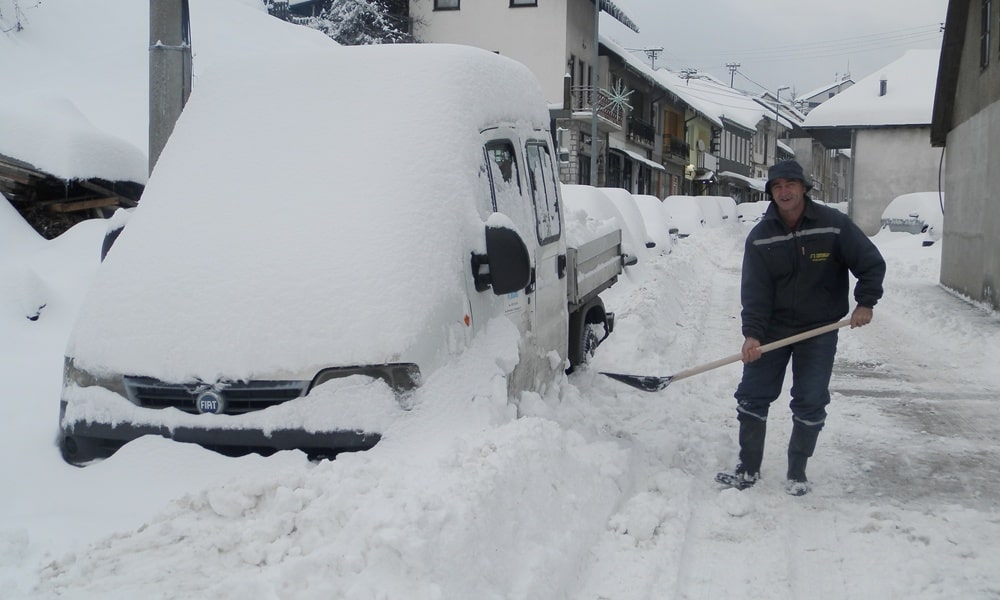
[(363, 22)]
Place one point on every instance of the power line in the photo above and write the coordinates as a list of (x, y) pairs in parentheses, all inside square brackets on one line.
[(816, 50), (894, 36), (820, 52), (813, 52)]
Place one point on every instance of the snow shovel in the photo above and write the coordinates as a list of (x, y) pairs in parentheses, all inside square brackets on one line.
[(651, 383)]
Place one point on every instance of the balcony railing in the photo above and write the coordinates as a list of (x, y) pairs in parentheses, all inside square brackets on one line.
[(641, 132), (675, 146), (581, 98)]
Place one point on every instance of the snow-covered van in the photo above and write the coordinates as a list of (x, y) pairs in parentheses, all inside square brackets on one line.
[(345, 218)]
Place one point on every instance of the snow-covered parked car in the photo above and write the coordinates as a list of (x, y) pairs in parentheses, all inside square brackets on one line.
[(625, 202), (710, 208), (595, 204), (291, 273), (686, 214), (751, 212), (657, 220), (918, 212), (728, 206)]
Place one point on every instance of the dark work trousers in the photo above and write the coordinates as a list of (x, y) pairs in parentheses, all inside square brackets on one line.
[(812, 366)]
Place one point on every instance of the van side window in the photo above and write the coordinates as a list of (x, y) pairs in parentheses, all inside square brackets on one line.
[(542, 181), (505, 182), (485, 202), (505, 163)]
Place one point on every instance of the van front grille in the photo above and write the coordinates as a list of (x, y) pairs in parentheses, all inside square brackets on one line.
[(238, 397)]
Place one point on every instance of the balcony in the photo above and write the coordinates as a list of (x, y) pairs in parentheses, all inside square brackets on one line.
[(581, 98), (675, 146), (641, 132)]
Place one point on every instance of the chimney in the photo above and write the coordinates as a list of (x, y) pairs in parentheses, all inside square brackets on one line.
[(883, 85)]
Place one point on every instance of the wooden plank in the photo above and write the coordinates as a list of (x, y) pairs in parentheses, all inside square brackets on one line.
[(64, 207), (13, 177), (19, 167)]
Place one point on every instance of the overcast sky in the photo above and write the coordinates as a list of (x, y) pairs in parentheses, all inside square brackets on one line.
[(780, 42)]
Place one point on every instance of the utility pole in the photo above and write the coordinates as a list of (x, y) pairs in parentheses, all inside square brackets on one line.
[(651, 54), (593, 94), (687, 74), (732, 71), (169, 69)]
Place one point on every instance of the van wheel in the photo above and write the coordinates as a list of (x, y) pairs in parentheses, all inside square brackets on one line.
[(587, 330), (589, 341)]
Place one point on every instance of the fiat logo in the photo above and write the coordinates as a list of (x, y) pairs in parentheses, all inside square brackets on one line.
[(210, 402)]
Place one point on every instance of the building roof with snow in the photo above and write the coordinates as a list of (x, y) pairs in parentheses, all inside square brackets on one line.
[(905, 98)]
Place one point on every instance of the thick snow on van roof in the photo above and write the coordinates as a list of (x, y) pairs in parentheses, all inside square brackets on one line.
[(296, 188)]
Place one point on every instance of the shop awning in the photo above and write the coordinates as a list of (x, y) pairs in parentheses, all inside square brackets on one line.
[(704, 175), (756, 184), (640, 158)]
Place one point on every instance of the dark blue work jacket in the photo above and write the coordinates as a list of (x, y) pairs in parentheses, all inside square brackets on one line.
[(796, 280)]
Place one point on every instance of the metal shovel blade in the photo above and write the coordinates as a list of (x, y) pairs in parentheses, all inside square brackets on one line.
[(646, 383)]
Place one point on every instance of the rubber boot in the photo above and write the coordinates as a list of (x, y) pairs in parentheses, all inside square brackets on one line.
[(752, 434), (800, 447)]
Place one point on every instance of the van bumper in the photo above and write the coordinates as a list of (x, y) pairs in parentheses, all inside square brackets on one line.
[(84, 442)]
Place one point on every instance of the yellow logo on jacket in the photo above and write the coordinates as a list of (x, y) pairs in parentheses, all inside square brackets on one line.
[(819, 256)]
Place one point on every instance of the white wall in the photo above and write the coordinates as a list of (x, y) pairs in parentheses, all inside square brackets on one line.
[(535, 36), (889, 162)]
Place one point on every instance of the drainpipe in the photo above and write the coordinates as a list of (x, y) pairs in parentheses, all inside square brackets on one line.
[(169, 70)]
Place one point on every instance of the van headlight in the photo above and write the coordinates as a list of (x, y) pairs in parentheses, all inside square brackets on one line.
[(401, 377), (83, 378)]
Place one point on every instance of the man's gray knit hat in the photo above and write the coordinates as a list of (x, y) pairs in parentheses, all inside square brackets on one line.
[(786, 169)]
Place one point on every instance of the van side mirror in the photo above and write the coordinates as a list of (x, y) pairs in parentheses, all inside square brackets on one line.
[(506, 267)]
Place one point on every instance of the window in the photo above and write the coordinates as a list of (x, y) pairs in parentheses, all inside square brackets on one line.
[(504, 179), (541, 178), (447, 4), (504, 166), (515, 3), (984, 36), (583, 169), (613, 172)]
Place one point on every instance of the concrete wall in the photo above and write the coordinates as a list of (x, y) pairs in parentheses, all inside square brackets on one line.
[(889, 162), (977, 88), (970, 252)]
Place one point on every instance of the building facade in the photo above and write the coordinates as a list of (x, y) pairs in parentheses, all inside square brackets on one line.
[(966, 114)]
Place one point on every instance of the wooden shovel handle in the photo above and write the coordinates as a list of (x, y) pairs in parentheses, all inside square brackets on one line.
[(765, 348)]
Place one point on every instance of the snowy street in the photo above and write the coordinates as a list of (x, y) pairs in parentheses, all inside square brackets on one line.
[(374, 180), (596, 490), (906, 470)]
